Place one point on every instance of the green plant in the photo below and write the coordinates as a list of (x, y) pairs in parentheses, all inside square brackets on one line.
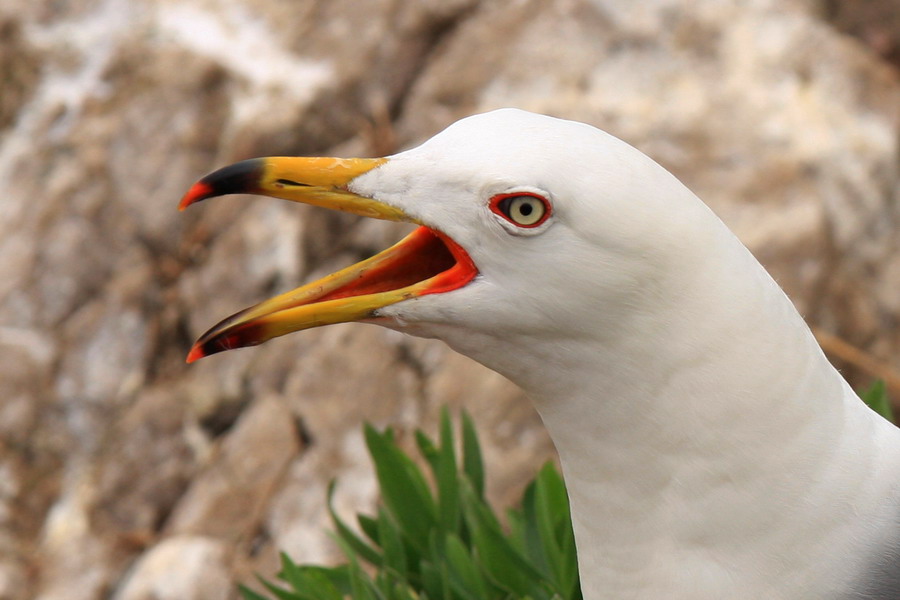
[(438, 538)]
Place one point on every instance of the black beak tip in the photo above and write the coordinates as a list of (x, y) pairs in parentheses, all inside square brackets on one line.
[(241, 177)]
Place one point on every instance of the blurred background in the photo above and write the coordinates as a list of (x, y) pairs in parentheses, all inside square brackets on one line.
[(126, 474)]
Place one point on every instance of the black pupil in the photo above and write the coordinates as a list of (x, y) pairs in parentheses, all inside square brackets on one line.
[(526, 209)]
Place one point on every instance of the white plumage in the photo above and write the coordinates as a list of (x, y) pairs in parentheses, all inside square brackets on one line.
[(709, 448)]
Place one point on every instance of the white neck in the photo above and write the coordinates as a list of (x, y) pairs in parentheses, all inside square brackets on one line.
[(677, 443)]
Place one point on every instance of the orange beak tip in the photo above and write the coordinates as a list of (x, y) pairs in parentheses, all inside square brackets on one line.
[(199, 191), (195, 354)]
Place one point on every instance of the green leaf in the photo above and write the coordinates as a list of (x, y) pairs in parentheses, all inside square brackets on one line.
[(877, 399), (308, 582), (528, 536), (361, 585), (249, 594), (394, 553), (280, 593), (319, 586), (555, 527), (369, 527), (462, 568), (498, 557), (404, 489), (447, 479), (432, 585), (515, 523), (428, 450), (338, 576), (473, 466), (290, 573)]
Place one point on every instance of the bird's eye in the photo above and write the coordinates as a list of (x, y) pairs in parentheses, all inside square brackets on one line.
[(524, 210)]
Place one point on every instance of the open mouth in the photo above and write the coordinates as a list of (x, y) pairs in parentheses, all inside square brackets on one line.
[(424, 262)]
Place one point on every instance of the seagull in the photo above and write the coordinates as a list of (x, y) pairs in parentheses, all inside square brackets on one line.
[(710, 450)]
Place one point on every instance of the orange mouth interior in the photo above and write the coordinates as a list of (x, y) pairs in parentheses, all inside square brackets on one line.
[(428, 255)]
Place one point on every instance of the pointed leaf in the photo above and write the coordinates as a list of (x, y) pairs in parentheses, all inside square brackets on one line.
[(354, 543), (249, 594), (447, 480), (473, 465), (280, 593), (394, 554), (532, 544), (472, 582), (500, 559), (369, 526), (555, 523), (403, 487), (428, 450)]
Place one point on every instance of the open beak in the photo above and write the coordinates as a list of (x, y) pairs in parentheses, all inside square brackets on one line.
[(424, 262)]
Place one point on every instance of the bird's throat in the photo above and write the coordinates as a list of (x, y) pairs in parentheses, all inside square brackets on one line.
[(675, 446)]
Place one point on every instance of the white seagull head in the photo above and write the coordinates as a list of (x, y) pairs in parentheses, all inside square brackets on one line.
[(563, 230), (710, 450)]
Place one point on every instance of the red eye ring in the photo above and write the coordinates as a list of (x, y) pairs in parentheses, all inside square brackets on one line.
[(520, 209)]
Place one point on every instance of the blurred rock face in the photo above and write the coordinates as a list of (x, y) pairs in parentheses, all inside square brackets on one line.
[(126, 474)]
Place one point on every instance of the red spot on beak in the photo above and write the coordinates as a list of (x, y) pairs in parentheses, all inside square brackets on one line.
[(199, 191), (195, 354)]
